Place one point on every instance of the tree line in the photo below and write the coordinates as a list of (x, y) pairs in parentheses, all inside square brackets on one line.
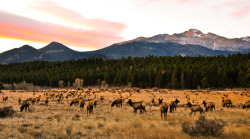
[(145, 72)]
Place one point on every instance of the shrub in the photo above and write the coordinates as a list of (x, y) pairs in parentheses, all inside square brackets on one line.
[(6, 112), (204, 127)]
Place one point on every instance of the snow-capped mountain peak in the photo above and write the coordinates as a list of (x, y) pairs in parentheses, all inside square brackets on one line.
[(247, 38), (193, 33)]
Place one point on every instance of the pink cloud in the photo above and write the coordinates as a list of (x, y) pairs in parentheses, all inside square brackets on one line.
[(241, 12), (182, 2), (235, 8), (56, 11), (22, 28), (188, 1)]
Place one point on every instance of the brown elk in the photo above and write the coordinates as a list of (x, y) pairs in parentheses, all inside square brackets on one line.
[(101, 98), (47, 101), (117, 102), (25, 105), (246, 105), (19, 100), (164, 109), (82, 102), (173, 105), (33, 101), (208, 105), (226, 102), (38, 99), (95, 103), (195, 108), (74, 101), (90, 107), (137, 105), (160, 101), (5, 99)]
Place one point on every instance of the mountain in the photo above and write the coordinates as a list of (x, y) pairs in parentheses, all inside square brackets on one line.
[(142, 49), (52, 52), (58, 52), (19, 55), (196, 37), (189, 43), (247, 38)]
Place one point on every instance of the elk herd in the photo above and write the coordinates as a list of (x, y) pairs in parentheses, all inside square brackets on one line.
[(89, 96)]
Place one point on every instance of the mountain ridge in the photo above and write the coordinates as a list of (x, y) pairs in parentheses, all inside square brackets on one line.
[(189, 43), (196, 37)]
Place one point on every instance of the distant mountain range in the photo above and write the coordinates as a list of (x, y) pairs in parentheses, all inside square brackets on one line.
[(189, 43)]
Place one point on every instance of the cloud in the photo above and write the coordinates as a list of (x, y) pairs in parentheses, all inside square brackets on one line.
[(54, 10), (236, 8), (22, 28), (162, 2)]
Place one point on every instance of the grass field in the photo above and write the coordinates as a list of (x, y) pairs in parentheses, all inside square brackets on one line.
[(59, 120)]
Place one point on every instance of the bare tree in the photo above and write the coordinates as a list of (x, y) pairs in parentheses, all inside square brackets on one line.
[(78, 83), (61, 83)]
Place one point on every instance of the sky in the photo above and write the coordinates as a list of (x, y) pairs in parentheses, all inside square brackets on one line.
[(86, 25)]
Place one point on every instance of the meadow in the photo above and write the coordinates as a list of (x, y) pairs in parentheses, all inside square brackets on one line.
[(60, 120)]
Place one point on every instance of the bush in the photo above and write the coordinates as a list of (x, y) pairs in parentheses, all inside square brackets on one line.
[(204, 127), (6, 112)]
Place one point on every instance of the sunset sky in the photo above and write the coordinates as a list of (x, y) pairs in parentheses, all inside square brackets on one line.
[(85, 25)]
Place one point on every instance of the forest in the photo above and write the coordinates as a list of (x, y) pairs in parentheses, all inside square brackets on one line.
[(144, 72)]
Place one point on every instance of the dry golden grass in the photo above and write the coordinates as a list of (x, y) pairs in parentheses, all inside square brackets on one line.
[(59, 120)]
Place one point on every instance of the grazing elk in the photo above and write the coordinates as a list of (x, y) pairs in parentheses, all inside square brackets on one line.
[(195, 108), (74, 101), (117, 102), (137, 105), (101, 98), (38, 99), (25, 105), (164, 109), (208, 105), (59, 100), (246, 105), (173, 105), (5, 99), (227, 102), (33, 101), (90, 107)]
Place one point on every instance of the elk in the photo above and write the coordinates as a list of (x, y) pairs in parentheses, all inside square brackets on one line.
[(95, 103), (117, 102), (153, 100), (101, 98), (38, 99), (25, 105), (246, 105), (164, 109), (90, 107), (33, 101), (82, 102), (195, 108), (137, 105), (226, 102), (5, 99), (47, 101), (74, 101), (160, 101), (19, 100), (208, 105), (173, 105)]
